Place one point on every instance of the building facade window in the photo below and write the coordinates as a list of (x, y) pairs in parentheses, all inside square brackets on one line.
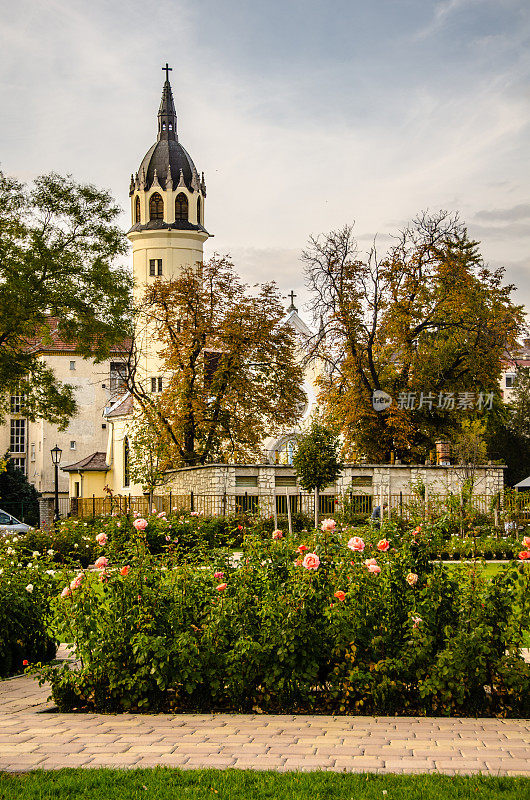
[(199, 209), (126, 476), (17, 402), (155, 267), (137, 210), (77, 489), (509, 381), (17, 442), (118, 373), (181, 207), (73, 445), (156, 384), (19, 463), (32, 451), (72, 365), (156, 207)]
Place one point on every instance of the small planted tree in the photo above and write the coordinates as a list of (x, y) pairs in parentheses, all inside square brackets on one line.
[(148, 456), (317, 461)]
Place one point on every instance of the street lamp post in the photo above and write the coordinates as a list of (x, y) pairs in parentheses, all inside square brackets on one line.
[(56, 460)]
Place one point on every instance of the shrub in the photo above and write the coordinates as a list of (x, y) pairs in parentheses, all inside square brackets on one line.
[(25, 590), (284, 633)]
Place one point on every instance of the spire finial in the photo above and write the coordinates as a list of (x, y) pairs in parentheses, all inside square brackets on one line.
[(292, 307), (167, 116)]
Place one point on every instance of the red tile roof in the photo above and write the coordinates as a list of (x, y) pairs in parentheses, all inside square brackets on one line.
[(55, 344)]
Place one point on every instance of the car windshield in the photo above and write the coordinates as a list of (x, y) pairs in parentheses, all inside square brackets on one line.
[(5, 519)]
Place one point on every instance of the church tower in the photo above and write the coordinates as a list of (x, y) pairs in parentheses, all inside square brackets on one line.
[(167, 204), (167, 210)]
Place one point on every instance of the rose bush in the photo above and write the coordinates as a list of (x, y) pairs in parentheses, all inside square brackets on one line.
[(373, 631), (25, 591)]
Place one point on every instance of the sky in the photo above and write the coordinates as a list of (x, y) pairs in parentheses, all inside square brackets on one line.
[(304, 115)]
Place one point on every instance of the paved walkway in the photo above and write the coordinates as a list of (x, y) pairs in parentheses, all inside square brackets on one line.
[(33, 736)]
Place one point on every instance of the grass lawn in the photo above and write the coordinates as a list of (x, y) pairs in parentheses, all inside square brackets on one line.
[(173, 784)]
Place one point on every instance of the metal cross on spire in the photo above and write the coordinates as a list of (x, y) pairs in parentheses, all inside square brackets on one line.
[(167, 69), (292, 307)]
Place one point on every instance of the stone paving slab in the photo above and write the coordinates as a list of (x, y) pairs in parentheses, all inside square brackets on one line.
[(34, 736)]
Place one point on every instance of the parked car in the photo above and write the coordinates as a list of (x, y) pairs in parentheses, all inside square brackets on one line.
[(10, 524)]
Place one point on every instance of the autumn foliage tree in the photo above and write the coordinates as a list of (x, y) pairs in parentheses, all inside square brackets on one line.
[(231, 376), (427, 316)]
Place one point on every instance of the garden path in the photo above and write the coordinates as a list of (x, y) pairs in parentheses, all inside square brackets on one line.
[(33, 736)]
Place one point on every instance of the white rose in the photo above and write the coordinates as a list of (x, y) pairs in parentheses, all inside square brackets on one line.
[(51, 552), (36, 554), (29, 588)]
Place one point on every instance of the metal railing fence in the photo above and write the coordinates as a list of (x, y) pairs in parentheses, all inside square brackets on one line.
[(499, 508)]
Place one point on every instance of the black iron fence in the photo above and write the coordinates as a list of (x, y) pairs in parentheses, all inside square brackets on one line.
[(499, 508)]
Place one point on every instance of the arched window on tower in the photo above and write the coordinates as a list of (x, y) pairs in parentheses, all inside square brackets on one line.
[(199, 220), (181, 207), (137, 209), (156, 207)]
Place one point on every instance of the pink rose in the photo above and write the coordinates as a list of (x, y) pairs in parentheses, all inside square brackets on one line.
[(328, 525), (140, 524), (194, 514), (101, 539), (162, 514), (383, 545), (218, 575), (101, 562), (526, 541), (77, 581), (356, 544), (221, 587), (524, 554), (277, 534), (311, 561), (412, 579), (374, 568), (416, 621), (370, 562), (66, 591), (340, 596), (302, 548)]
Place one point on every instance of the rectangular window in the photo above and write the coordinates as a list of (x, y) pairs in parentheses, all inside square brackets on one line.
[(285, 480), (17, 402), (118, 373), (19, 463), (77, 489), (246, 480), (155, 266), (72, 365), (18, 436), (73, 445), (156, 384), (212, 361), (32, 450), (509, 381)]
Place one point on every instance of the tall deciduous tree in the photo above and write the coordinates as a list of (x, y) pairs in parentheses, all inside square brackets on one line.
[(231, 376), (427, 317), (58, 244)]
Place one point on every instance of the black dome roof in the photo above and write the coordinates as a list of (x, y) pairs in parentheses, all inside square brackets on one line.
[(164, 155)]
